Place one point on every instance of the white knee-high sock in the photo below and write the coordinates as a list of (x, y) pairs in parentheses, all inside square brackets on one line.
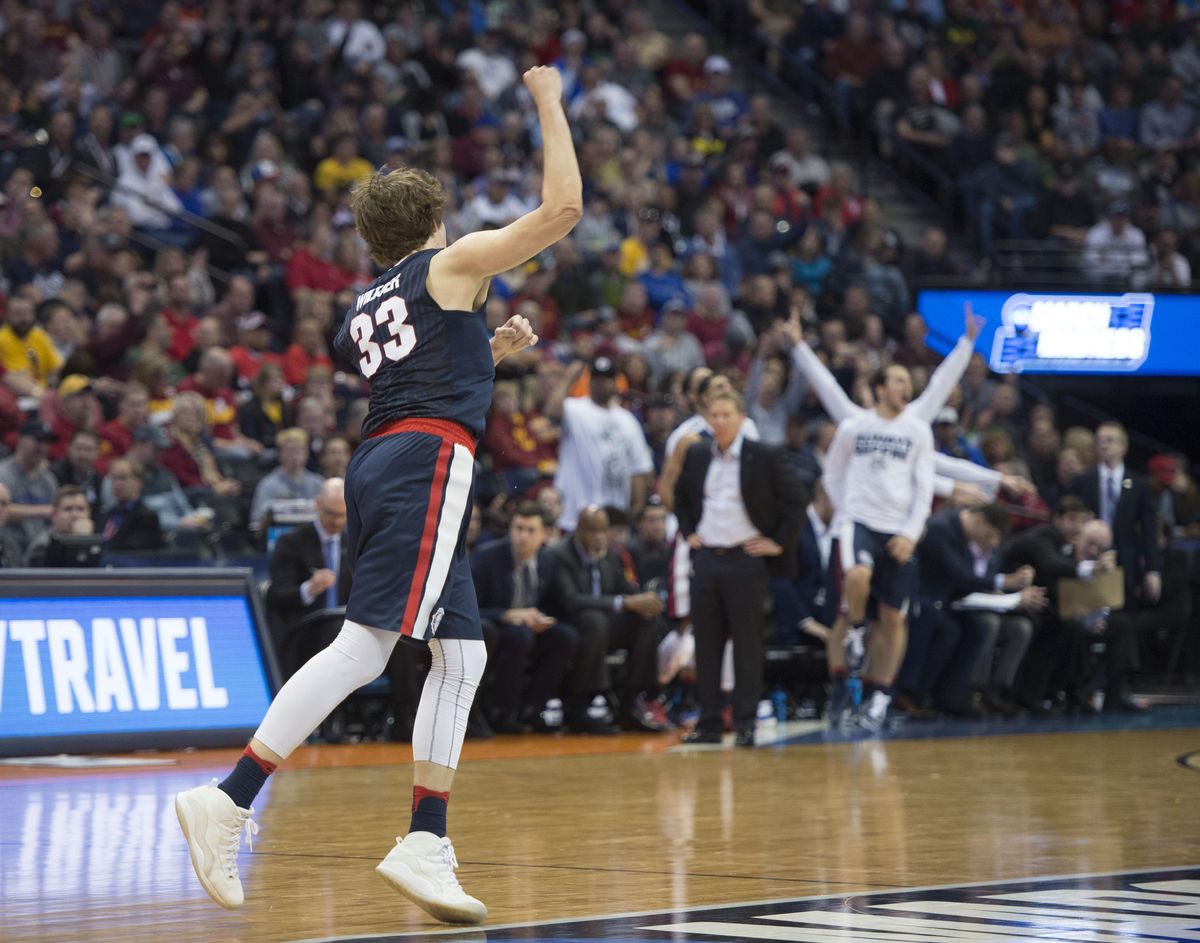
[(441, 723), (356, 657)]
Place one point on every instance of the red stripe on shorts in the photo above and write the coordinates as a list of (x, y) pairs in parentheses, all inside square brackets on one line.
[(428, 537)]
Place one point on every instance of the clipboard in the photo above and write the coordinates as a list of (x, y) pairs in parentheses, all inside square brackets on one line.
[(1078, 598)]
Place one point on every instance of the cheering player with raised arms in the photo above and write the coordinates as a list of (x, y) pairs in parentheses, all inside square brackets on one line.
[(418, 335)]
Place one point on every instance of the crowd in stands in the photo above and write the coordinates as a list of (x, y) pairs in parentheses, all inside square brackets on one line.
[(1074, 122), (176, 253)]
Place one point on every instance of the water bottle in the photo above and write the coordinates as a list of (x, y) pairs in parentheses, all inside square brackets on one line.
[(854, 691), (779, 699)]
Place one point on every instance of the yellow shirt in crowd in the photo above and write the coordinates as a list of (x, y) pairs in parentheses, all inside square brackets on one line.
[(34, 353), (331, 173)]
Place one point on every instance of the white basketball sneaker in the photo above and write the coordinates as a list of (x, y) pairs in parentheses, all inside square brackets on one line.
[(873, 714), (213, 826), (421, 867)]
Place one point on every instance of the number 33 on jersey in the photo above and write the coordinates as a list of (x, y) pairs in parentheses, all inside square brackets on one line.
[(392, 314), (422, 361)]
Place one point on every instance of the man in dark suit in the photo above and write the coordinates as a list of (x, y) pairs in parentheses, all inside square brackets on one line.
[(514, 579), (593, 593), (807, 604), (129, 524), (955, 561), (740, 508), (1050, 550), (309, 571), (1122, 499)]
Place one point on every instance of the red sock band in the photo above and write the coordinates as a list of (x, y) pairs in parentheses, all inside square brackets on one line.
[(840, 674), (267, 768), (420, 792)]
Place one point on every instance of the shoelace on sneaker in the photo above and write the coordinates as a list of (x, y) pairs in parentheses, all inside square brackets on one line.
[(231, 838), (447, 852)]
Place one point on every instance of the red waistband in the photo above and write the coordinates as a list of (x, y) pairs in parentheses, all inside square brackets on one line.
[(443, 428)]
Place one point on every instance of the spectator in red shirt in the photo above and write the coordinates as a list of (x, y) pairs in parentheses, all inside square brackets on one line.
[(10, 416), (254, 333), (521, 443), (116, 436), (850, 62), (634, 313), (683, 76), (212, 381), (276, 234), (307, 350), (180, 316), (191, 457)]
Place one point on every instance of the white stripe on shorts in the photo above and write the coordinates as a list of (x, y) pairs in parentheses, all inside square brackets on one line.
[(454, 504)]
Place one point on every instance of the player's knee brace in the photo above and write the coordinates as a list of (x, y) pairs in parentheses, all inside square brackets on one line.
[(456, 668)]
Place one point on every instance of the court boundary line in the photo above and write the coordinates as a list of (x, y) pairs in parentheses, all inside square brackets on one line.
[(483, 928)]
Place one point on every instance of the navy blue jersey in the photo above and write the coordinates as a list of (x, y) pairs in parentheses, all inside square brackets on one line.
[(423, 362)]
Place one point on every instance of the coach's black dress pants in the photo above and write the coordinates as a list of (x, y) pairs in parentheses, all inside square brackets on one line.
[(729, 590)]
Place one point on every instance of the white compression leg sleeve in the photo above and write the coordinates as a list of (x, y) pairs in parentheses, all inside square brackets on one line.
[(441, 724), (357, 656)]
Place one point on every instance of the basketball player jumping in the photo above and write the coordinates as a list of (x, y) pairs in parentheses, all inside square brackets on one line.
[(418, 336)]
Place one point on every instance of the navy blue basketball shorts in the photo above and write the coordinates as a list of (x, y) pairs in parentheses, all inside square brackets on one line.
[(408, 505), (892, 584)]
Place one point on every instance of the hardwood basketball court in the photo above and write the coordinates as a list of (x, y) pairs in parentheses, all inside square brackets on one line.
[(558, 828)]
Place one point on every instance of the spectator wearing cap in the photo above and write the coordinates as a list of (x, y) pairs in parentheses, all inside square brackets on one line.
[(26, 350), (727, 103), (290, 481), (949, 440), (30, 483), (1115, 249), (144, 187), (342, 168), (78, 465), (116, 435), (74, 409), (129, 524), (603, 457), (250, 353), (670, 348)]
